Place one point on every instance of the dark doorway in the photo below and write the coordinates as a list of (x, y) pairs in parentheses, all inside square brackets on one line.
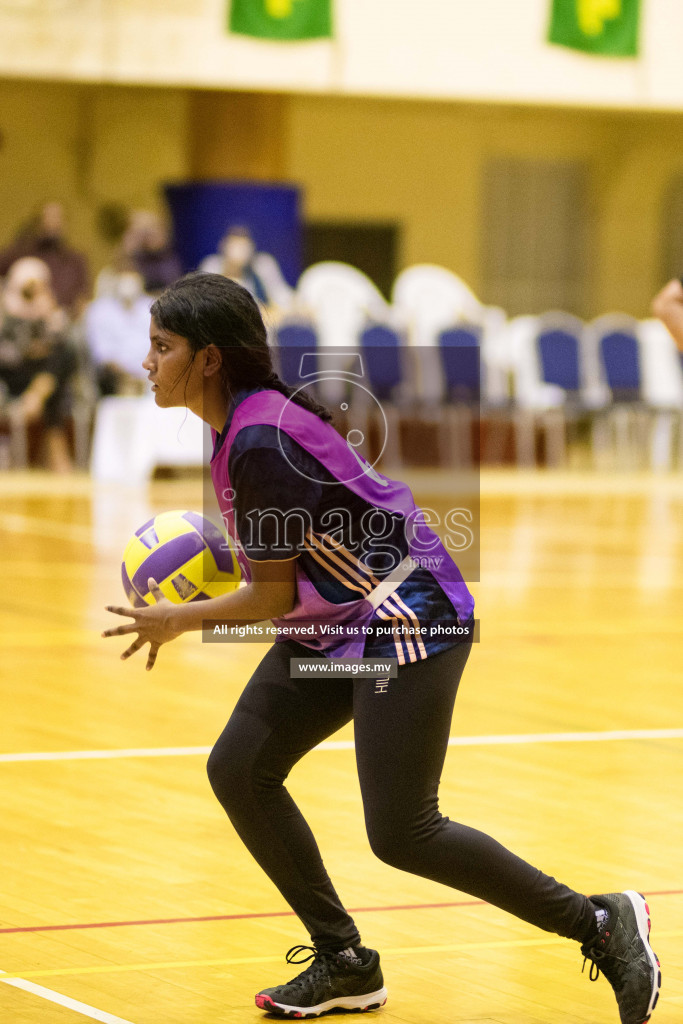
[(371, 247)]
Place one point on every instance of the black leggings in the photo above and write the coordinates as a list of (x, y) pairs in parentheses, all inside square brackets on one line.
[(401, 738)]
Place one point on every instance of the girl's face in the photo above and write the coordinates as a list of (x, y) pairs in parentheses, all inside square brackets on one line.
[(175, 371)]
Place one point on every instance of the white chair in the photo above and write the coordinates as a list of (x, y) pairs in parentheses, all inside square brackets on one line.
[(663, 392), (429, 301), (554, 379), (340, 299), (385, 394), (429, 298), (640, 364), (621, 428), (494, 354)]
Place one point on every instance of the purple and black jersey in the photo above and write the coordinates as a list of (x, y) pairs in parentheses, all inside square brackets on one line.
[(291, 498)]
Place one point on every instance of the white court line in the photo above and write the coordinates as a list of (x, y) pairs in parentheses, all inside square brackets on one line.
[(106, 755), (454, 741), (70, 1004)]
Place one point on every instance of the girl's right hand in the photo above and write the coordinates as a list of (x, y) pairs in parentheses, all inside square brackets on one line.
[(155, 625)]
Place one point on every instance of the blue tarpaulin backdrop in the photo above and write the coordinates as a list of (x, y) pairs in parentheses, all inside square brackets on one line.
[(202, 211)]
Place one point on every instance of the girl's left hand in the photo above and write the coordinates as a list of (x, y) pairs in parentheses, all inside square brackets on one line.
[(153, 624)]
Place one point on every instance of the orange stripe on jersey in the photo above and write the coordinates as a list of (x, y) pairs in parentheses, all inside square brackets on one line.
[(363, 569), (355, 575), (398, 639), (398, 601), (395, 608), (333, 571), (334, 558)]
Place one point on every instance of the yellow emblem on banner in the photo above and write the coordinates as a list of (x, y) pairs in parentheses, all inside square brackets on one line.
[(285, 20), (280, 8), (593, 14)]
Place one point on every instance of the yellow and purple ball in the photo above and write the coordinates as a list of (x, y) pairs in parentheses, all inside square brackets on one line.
[(188, 555)]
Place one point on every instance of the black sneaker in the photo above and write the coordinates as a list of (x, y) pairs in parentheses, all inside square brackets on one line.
[(333, 981), (622, 951)]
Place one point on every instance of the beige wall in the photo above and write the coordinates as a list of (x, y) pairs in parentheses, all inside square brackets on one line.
[(440, 49), (39, 158), (419, 163), (86, 145), (644, 156)]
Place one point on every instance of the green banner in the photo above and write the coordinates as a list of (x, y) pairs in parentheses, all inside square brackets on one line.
[(282, 19), (608, 27)]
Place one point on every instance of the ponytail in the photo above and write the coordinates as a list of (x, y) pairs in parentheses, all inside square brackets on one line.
[(297, 395)]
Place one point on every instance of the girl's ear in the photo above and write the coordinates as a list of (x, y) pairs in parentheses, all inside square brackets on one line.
[(213, 360)]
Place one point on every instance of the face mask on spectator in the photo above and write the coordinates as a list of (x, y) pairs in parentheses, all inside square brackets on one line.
[(27, 294), (129, 288), (239, 250)]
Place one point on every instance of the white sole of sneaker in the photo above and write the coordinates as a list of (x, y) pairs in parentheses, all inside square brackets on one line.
[(642, 912), (370, 1001)]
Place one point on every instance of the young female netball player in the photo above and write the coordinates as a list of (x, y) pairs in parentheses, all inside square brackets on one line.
[(276, 450)]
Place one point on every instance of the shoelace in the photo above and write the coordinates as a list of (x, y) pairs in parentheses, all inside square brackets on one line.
[(317, 969), (613, 971)]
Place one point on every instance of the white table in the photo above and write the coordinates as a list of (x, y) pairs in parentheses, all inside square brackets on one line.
[(132, 436)]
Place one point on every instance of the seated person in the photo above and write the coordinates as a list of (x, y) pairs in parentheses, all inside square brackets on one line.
[(258, 272), (668, 306), (112, 221), (147, 246), (37, 361), (44, 238), (117, 334)]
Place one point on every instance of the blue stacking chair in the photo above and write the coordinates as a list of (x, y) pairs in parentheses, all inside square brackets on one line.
[(561, 352), (619, 352), (628, 419), (295, 340), (383, 391), (460, 349), (550, 378), (460, 356), (560, 357), (380, 347)]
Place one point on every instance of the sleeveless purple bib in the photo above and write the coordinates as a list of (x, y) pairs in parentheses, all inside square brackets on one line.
[(338, 457)]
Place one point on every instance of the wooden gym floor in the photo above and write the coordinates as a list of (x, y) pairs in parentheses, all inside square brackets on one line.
[(127, 897)]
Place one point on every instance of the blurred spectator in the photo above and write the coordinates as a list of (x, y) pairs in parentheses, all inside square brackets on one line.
[(147, 248), (44, 238), (668, 306), (112, 221), (258, 272), (117, 335), (36, 360)]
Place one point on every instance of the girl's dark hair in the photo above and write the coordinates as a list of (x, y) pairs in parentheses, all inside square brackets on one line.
[(209, 309)]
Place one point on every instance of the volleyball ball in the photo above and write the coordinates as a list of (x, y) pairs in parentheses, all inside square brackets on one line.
[(188, 555)]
